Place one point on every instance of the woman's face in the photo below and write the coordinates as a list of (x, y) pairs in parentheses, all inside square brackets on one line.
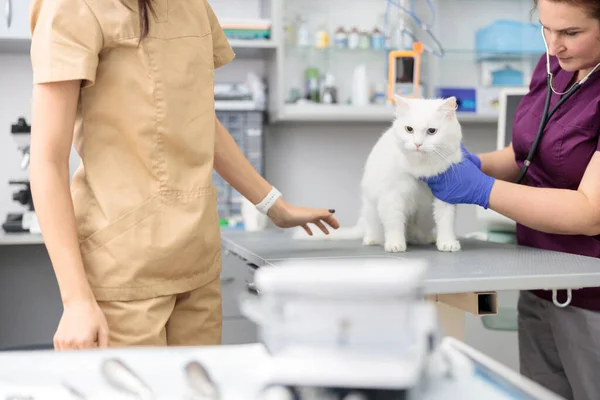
[(573, 36)]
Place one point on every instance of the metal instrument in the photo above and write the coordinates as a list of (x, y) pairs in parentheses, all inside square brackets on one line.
[(123, 378)]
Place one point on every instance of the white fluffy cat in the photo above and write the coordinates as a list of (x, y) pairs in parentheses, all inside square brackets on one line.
[(397, 207)]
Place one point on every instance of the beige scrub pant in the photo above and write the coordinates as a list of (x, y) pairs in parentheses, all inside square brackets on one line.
[(188, 319), (560, 347)]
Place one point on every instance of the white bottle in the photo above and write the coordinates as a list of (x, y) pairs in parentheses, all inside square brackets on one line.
[(303, 37), (360, 86)]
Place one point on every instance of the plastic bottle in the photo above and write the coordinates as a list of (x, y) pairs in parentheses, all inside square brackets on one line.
[(291, 30), (341, 38), (360, 86), (303, 36), (377, 40), (312, 84), (379, 96), (329, 90), (353, 38), (364, 41), (322, 38)]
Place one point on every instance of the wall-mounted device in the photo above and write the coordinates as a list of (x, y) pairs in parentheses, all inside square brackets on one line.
[(404, 72)]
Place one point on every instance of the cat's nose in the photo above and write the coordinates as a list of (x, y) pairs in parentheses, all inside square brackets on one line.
[(418, 145)]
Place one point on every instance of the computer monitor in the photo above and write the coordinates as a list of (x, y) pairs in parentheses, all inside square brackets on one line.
[(509, 99)]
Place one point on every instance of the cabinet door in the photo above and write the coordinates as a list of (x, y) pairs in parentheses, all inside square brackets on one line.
[(234, 281), (14, 19), (239, 331)]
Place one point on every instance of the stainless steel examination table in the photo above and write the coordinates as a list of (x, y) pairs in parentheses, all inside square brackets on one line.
[(465, 281)]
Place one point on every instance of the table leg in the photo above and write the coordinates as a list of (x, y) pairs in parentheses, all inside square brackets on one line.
[(451, 310), (451, 321)]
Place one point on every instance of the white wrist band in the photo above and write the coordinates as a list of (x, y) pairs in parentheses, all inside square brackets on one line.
[(268, 201)]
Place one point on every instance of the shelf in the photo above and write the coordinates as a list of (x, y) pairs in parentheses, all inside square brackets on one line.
[(321, 112), (481, 56), (16, 46), (333, 50), (349, 113), (464, 117), (246, 105), (18, 239), (252, 44), (243, 47), (449, 53), (254, 48)]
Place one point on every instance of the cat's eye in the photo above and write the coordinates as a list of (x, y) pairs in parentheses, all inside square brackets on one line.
[(409, 129), (431, 131)]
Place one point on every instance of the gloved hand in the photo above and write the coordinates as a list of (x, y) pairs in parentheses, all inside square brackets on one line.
[(462, 183), (470, 156)]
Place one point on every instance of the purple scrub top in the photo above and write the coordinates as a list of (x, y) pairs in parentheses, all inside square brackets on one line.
[(567, 146)]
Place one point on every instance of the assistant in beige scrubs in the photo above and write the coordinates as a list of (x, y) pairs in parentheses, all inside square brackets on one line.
[(135, 242)]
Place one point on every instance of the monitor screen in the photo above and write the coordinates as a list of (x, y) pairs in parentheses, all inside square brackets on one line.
[(509, 101)]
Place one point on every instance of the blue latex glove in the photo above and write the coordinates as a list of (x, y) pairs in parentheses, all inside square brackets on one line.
[(470, 156), (462, 183)]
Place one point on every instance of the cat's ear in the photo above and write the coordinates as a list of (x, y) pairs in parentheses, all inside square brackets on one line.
[(402, 104), (449, 107)]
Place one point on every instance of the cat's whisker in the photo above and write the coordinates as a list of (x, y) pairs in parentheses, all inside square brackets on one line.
[(445, 151), (442, 156)]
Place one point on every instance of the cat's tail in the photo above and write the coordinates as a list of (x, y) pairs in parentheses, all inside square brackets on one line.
[(351, 233)]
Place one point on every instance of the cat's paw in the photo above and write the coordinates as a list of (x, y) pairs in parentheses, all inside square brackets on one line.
[(448, 245), (371, 241), (395, 246)]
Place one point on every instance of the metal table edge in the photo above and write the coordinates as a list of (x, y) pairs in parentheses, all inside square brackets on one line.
[(440, 286)]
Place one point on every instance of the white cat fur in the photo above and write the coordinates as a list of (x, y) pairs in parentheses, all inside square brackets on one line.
[(397, 207)]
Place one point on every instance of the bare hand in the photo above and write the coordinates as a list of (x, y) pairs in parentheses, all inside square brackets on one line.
[(285, 215), (82, 326)]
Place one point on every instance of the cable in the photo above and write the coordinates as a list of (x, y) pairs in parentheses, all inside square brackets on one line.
[(407, 11), (419, 22), (432, 9)]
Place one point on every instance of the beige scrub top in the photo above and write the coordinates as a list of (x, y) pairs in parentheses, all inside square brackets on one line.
[(143, 196)]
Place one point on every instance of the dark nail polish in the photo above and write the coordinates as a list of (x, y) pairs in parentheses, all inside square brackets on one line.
[(332, 211)]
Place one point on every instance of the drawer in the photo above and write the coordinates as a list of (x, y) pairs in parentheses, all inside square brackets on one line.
[(234, 281)]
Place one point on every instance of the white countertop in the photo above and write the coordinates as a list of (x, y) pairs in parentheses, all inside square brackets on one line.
[(12, 239), (16, 239), (239, 372)]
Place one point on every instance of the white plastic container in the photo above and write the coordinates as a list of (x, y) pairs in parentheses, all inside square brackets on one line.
[(360, 86), (366, 305)]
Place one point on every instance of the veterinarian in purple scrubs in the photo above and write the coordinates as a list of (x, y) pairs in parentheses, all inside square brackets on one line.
[(557, 201)]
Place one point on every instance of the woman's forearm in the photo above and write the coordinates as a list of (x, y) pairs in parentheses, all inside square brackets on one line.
[(53, 118), (54, 210), (557, 211), (233, 166), (500, 164)]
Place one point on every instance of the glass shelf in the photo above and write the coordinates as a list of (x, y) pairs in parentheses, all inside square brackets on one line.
[(449, 53), (482, 56), (332, 51), (252, 44), (367, 113)]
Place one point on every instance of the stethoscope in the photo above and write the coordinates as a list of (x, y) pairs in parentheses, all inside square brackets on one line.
[(547, 112), (543, 123)]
